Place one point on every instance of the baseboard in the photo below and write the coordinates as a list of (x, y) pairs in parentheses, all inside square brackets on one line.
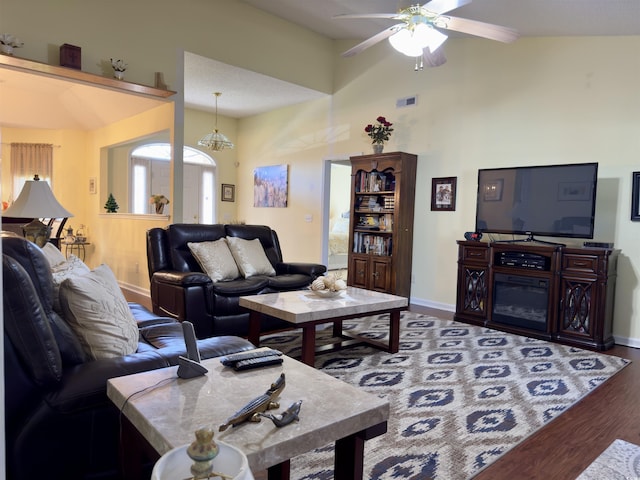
[(627, 341), (134, 293), (431, 304)]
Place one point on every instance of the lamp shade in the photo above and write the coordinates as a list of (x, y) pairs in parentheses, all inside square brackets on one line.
[(36, 200)]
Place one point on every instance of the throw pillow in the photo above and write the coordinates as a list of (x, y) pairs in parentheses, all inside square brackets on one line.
[(215, 259), (69, 268), (53, 255), (250, 257), (98, 313)]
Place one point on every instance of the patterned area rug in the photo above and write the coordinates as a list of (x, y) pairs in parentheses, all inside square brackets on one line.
[(461, 396), (620, 461)]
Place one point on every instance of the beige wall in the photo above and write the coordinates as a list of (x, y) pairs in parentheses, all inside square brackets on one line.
[(537, 101)]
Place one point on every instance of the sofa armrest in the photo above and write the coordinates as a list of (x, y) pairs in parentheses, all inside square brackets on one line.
[(183, 279), (312, 269), (84, 386)]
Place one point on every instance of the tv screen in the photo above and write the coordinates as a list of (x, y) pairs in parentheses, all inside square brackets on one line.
[(549, 200)]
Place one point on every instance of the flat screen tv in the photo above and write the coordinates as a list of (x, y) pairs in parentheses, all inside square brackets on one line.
[(547, 200)]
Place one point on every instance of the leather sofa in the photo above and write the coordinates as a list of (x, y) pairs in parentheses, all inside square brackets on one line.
[(59, 422), (181, 290)]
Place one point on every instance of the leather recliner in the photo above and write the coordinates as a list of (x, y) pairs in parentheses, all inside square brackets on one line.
[(181, 290), (59, 422)]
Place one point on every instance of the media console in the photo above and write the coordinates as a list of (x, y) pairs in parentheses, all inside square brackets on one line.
[(553, 292)]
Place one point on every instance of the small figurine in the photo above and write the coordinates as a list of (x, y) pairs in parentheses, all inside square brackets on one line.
[(251, 411), (286, 417), (202, 451)]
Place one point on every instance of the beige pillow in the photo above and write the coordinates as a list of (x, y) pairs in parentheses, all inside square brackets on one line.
[(72, 267), (215, 259), (98, 313), (250, 257), (53, 255)]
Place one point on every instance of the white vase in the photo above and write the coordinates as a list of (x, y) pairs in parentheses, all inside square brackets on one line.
[(118, 75), (378, 147)]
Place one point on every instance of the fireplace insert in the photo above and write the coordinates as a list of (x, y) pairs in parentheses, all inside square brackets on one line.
[(521, 301)]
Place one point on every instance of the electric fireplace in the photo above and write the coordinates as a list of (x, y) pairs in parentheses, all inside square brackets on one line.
[(521, 301)]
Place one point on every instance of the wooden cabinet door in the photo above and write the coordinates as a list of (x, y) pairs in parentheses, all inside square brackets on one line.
[(380, 274), (358, 272), (577, 310)]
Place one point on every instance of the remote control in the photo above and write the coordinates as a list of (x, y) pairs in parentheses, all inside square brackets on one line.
[(231, 360), (258, 362)]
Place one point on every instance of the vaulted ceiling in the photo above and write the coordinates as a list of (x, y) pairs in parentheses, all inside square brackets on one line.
[(64, 105)]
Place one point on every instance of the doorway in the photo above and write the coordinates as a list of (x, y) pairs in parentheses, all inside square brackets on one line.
[(336, 211)]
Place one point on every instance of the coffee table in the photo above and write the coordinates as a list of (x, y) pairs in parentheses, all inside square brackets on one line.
[(168, 410), (305, 309)]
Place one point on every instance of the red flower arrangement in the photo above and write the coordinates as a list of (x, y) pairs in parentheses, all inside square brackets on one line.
[(380, 132)]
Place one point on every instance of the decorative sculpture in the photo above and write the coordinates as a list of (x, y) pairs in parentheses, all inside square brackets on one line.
[(251, 412)]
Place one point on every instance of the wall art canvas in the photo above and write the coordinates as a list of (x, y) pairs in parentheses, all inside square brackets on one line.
[(270, 186)]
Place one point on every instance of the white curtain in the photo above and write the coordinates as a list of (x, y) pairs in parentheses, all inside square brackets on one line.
[(27, 160)]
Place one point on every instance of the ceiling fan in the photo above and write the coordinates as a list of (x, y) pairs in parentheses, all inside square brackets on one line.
[(418, 33)]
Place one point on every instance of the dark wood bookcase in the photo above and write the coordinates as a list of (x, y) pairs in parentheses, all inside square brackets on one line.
[(381, 222), (579, 284)]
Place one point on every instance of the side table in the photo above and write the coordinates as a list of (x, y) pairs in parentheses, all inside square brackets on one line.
[(77, 247)]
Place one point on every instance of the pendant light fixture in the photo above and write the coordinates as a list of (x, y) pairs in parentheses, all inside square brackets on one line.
[(215, 140)]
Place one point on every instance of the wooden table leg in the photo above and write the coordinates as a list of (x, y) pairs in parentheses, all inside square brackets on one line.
[(309, 345), (394, 331), (337, 328), (280, 471), (254, 327), (349, 458)]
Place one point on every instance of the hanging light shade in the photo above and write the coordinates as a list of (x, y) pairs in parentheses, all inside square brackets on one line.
[(215, 140), (416, 36)]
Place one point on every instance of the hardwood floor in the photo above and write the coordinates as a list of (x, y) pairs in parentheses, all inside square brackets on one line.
[(568, 444)]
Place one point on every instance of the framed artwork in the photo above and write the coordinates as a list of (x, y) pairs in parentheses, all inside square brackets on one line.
[(93, 185), (228, 192), (270, 186), (443, 194), (635, 197), (492, 190)]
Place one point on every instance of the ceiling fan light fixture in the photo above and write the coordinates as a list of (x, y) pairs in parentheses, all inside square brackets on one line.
[(404, 42), (215, 140), (412, 39)]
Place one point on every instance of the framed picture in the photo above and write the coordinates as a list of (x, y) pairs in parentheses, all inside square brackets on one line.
[(443, 194), (492, 190), (270, 186), (228, 192), (635, 197)]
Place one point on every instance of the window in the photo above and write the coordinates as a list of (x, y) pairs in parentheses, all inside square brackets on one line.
[(151, 175)]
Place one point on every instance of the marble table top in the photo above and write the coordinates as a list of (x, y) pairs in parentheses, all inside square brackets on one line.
[(168, 410), (301, 306)]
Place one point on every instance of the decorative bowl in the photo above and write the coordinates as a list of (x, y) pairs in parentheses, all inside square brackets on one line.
[(326, 293)]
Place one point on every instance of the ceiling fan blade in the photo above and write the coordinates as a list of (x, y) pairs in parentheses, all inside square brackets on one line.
[(444, 6), (366, 15), (369, 42), (479, 29), (433, 59)]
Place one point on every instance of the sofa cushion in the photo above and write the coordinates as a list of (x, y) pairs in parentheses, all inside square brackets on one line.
[(250, 257), (215, 259), (60, 272), (242, 286), (97, 311), (53, 255)]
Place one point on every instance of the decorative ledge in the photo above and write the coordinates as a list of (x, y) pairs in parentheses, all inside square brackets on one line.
[(31, 66), (135, 216)]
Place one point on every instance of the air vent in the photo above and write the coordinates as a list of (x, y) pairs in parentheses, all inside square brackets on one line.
[(407, 101)]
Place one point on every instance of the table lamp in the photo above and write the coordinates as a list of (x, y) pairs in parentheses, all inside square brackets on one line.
[(36, 201)]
